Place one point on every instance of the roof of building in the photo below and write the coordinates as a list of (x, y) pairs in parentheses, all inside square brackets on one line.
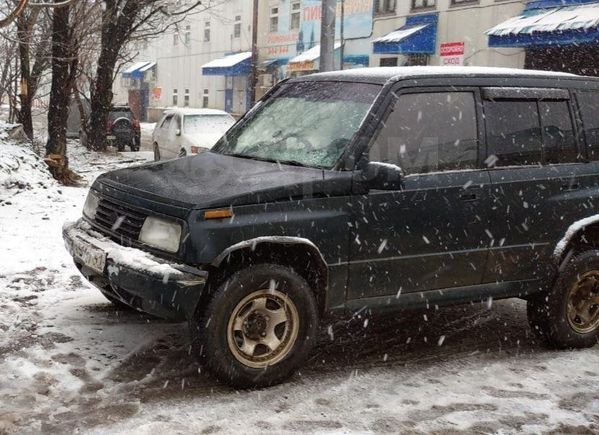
[(383, 74)]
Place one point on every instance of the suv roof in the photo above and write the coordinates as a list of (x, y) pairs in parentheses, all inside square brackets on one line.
[(381, 75)]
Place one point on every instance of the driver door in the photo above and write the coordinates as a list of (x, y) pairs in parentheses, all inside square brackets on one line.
[(432, 233)]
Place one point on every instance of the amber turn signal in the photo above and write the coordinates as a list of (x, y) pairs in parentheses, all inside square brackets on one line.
[(221, 213)]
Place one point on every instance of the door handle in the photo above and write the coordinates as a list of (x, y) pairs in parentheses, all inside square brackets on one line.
[(468, 196), (570, 186)]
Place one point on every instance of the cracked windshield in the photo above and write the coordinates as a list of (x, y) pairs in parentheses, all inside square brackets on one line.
[(306, 124)]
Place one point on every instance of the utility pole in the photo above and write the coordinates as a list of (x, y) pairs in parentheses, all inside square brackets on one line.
[(342, 34), (253, 79), (327, 35)]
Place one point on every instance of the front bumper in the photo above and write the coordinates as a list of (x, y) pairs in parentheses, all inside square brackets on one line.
[(132, 276)]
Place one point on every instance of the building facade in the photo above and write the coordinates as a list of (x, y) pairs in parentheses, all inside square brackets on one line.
[(206, 62), (172, 75)]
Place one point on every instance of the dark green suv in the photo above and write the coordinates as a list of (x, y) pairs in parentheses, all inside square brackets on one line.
[(366, 190)]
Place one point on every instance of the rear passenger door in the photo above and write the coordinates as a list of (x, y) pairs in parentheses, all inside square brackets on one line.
[(430, 234), (535, 167)]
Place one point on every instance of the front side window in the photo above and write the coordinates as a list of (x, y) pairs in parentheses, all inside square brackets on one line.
[(305, 123), (429, 132), (513, 133)]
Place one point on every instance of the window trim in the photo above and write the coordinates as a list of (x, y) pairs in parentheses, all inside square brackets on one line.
[(394, 95)]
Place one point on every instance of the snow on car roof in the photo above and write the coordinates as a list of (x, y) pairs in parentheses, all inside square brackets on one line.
[(382, 74), (187, 111)]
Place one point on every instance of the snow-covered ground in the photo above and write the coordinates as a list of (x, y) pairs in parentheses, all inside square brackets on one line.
[(70, 362)]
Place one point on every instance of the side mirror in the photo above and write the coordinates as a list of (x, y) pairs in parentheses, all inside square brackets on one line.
[(178, 132), (382, 176)]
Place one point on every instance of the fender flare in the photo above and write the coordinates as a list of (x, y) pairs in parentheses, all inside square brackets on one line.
[(573, 229), (279, 240)]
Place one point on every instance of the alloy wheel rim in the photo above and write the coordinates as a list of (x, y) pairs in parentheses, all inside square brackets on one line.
[(583, 303), (263, 328)]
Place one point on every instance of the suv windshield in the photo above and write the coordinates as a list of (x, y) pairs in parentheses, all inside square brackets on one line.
[(306, 123)]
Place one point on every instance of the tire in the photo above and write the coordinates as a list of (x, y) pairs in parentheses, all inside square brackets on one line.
[(182, 152), (120, 146), (134, 145), (156, 152), (236, 320), (568, 316)]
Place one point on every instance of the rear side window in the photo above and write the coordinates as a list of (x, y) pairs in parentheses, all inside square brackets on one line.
[(428, 132), (513, 133), (558, 134), (589, 110), (529, 132)]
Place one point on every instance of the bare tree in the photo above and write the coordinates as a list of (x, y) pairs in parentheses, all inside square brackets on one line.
[(33, 31), (123, 21)]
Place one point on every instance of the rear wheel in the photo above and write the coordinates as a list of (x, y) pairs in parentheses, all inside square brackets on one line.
[(568, 316), (182, 152), (156, 152), (259, 327)]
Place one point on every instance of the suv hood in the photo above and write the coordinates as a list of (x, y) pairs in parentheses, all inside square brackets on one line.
[(216, 180)]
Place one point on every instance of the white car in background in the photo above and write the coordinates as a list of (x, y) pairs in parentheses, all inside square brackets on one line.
[(183, 132)]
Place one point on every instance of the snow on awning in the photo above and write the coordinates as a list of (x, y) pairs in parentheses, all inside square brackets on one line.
[(147, 67), (239, 64), (544, 27), (418, 36), (400, 34), (136, 71), (307, 60)]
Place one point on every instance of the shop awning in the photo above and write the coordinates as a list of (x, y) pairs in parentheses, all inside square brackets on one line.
[(418, 36), (307, 60), (568, 25), (137, 70), (239, 64)]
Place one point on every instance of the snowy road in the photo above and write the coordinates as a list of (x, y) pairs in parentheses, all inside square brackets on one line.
[(70, 362)]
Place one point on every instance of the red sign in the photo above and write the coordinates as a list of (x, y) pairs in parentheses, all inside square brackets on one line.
[(452, 49), (452, 53)]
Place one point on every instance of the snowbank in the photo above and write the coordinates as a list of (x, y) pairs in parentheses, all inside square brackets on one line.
[(21, 169)]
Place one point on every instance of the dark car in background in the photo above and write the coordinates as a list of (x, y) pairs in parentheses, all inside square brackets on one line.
[(122, 128), (370, 190)]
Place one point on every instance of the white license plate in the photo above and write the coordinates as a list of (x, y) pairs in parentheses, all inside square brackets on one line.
[(111, 137), (92, 257)]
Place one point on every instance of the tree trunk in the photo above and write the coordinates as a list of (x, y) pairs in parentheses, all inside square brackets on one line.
[(56, 147), (101, 97), (25, 96)]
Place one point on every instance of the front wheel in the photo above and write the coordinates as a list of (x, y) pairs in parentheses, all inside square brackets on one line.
[(568, 316), (258, 328), (182, 152)]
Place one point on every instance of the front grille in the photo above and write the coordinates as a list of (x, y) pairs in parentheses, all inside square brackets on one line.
[(120, 220)]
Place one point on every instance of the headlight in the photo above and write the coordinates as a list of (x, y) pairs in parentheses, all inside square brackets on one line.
[(161, 234), (91, 205)]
